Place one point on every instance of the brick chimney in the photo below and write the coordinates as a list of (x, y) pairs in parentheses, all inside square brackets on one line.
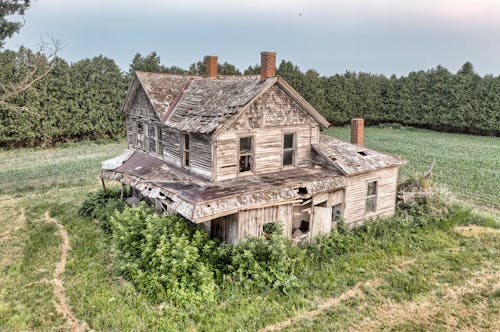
[(211, 66), (267, 65), (357, 128)]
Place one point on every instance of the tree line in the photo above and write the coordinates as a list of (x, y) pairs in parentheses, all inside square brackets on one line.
[(82, 100)]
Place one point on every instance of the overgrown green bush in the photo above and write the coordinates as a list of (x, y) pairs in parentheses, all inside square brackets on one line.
[(258, 263), (101, 205), (169, 260), (162, 256)]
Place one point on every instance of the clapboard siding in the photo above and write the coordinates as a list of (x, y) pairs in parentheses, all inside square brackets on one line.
[(226, 155), (201, 155), (268, 147), (171, 146), (356, 191)]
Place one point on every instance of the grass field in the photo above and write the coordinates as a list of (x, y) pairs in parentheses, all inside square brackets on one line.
[(467, 165), (444, 278)]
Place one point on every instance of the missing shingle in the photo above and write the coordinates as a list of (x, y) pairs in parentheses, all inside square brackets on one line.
[(363, 153)]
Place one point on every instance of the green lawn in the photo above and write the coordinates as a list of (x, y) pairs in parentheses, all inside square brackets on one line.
[(436, 278), (467, 165)]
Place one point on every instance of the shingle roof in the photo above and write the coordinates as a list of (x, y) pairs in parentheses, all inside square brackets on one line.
[(350, 158), (199, 104), (162, 89)]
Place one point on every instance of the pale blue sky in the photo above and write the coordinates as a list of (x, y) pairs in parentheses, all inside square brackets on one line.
[(379, 36)]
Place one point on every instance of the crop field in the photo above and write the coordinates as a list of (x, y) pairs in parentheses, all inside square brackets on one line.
[(443, 277)]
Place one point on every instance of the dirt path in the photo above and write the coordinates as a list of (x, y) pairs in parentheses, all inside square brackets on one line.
[(356, 291), (62, 305)]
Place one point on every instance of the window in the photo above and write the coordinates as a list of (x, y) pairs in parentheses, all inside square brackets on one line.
[(185, 150), (371, 196), (140, 135), (159, 146), (246, 154), (152, 139), (288, 149), (336, 212)]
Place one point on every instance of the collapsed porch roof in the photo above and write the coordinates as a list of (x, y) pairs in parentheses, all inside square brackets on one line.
[(200, 200)]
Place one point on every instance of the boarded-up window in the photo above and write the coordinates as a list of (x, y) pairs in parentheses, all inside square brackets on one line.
[(152, 139), (185, 150), (288, 149), (246, 154), (159, 146), (371, 196)]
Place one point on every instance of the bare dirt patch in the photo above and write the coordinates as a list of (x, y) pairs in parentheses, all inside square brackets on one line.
[(62, 305), (476, 231), (356, 291)]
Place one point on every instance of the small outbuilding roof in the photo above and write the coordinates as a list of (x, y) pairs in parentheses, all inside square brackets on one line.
[(351, 159)]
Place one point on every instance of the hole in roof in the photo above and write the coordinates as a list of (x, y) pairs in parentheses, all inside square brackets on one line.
[(363, 153), (302, 190)]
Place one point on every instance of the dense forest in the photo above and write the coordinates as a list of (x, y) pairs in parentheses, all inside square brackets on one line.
[(82, 100)]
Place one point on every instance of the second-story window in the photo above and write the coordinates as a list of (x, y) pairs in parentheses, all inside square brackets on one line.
[(246, 154), (159, 139), (140, 135), (185, 150), (288, 149), (152, 139)]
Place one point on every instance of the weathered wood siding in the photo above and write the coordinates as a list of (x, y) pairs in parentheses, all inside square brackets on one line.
[(356, 192), (171, 146), (225, 228), (200, 155), (142, 111), (251, 221), (267, 120)]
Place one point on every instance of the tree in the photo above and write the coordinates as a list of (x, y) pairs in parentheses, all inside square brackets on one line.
[(466, 69), (8, 8), (148, 63), (27, 68)]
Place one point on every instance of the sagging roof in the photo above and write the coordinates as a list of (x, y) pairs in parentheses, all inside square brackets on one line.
[(200, 200), (351, 159), (202, 105)]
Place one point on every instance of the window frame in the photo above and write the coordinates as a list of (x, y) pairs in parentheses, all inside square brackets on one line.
[(373, 197), (252, 154), (293, 149), (159, 143), (185, 152)]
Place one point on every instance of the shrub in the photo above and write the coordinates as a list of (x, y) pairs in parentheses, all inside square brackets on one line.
[(101, 205), (258, 263), (162, 256)]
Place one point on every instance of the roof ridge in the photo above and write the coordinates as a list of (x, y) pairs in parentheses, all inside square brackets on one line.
[(176, 100)]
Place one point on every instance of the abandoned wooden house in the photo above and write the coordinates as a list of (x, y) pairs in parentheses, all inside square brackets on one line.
[(232, 153)]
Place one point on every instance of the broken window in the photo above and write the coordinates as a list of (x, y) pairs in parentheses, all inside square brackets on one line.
[(140, 135), (371, 196), (336, 212), (246, 154), (185, 150), (288, 149)]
